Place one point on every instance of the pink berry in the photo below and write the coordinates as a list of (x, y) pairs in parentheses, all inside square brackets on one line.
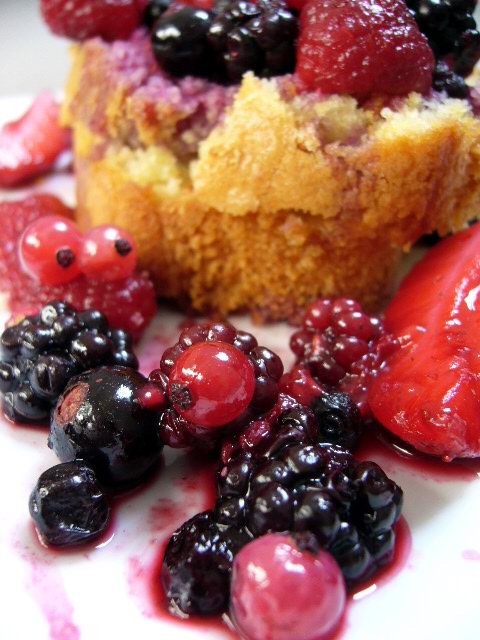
[(49, 249), (82, 19), (108, 254), (362, 48), (211, 384), (281, 592)]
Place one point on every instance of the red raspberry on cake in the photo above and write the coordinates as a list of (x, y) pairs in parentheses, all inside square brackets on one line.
[(362, 47), (82, 19), (30, 146), (428, 394)]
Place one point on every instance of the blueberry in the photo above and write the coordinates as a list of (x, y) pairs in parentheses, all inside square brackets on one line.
[(99, 419), (68, 505)]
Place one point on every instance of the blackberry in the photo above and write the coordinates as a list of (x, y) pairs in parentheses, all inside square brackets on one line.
[(100, 418), (197, 565), (255, 370), (444, 79), (453, 36), (351, 507), (338, 419), (223, 44), (319, 493), (40, 354), (338, 348), (68, 505), (257, 37)]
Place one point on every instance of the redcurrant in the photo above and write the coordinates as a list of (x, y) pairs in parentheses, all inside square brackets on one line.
[(49, 249), (211, 384), (108, 253)]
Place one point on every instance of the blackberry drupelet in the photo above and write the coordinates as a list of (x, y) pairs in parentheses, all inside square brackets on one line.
[(154, 10), (223, 44), (40, 354), (68, 505), (101, 419), (452, 33), (198, 563), (338, 419), (262, 368)]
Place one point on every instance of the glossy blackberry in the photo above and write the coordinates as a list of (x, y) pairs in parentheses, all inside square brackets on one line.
[(100, 418), (444, 79), (40, 354), (197, 565), (452, 33), (262, 368), (338, 419), (257, 37), (68, 505), (179, 42), (223, 44), (351, 507)]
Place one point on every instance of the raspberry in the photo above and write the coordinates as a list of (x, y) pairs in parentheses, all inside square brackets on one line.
[(362, 47), (30, 146), (129, 304), (82, 19), (339, 347), (42, 353), (204, 353)]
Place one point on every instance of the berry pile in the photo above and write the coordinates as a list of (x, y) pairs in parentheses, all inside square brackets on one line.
[(214, 376), (349, 507), (40, 355), (226, 42), (339, 347), (53, 249), (453, 36)]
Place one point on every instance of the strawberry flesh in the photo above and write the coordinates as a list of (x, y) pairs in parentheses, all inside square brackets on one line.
[(30, 146), (362, 47), (429, 392)]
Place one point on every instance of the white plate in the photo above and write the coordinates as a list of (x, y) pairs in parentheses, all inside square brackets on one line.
[(104, 592)]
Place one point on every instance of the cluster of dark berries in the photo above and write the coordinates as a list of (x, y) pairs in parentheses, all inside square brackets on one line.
[(214, 376), (40, 354), (338, 347), (349, 507), (224, 43), (453, 36), (107, 440), (333, 418)]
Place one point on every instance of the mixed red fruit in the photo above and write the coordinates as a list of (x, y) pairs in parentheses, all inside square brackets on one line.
[(43, 257), (289, 488), (357, 47)]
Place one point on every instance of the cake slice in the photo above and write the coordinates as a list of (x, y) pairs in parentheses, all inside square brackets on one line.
[(262, 195)]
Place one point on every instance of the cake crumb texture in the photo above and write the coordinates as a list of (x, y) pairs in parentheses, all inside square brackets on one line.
[(258, 198)]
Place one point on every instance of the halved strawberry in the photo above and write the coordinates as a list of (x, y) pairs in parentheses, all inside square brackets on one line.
[(429, 391), (30, 146)]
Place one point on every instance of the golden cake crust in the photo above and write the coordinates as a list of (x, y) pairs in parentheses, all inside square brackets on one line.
[(285, 200)]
